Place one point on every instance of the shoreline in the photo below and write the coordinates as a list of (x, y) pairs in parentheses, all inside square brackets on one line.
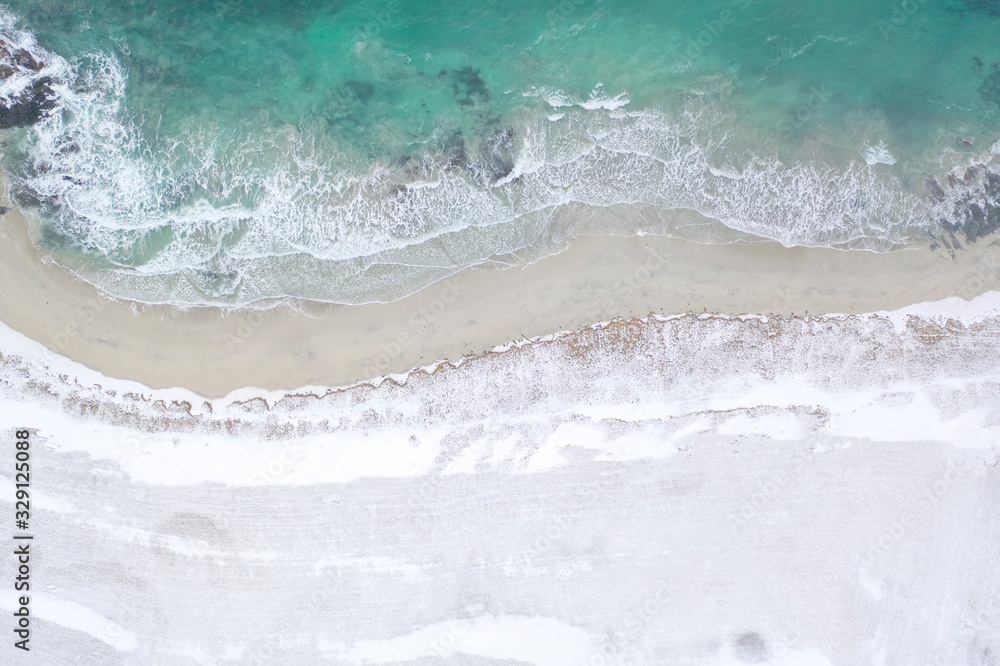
[(213, 352)]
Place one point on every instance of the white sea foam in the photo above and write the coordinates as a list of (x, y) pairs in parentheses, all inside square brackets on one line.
[(878, 154)]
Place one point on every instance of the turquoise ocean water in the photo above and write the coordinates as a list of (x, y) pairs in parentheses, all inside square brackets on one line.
[(356, 150)]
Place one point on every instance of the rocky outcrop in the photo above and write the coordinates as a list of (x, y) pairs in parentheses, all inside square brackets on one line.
[(30, 106), (967, 203), (35, 100), (19, 58)]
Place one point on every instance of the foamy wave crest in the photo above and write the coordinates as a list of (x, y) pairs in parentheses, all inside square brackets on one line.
[(201, 219)]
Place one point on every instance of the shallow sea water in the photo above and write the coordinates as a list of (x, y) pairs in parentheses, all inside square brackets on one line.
[(212, 152)]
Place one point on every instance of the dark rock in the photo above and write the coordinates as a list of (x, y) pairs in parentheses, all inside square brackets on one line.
[(969, 205), (27, 198), (974, 216), (4, 210), (934, 190), (68, 148), (993, 216), (19, 57), (977, 221), (32, 103), (993, 186), (29, 106), (24, 59)]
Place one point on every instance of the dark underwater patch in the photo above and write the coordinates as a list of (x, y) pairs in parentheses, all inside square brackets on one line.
[(360, 90), (345, 109), (497, 156), (989, 90), (991, 7), (967, 204), (469, 87), (56, 240)]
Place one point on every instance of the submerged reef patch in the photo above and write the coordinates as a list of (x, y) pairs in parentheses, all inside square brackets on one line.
[(967, 203), (469, 87), (989, 90), (991, 7)]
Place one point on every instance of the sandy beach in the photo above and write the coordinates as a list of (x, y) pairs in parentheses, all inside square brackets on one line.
[(614, 334), (213, 352)]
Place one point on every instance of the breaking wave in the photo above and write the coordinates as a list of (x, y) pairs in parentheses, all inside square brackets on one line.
[(215, 218)]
